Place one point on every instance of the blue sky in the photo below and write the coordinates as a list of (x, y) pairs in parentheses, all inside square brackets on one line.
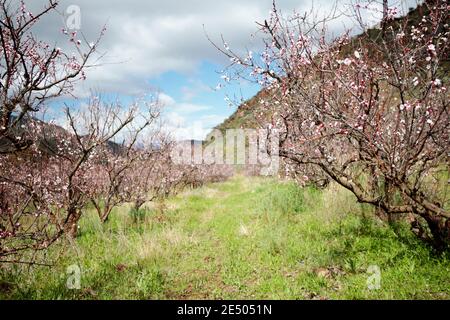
[(197, 98), (193, 104)]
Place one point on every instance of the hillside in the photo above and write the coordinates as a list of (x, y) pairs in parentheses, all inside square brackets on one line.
[(46, 141)]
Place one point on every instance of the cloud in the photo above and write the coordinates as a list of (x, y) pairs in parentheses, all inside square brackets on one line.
[(166, 100), (175, 120), (183, 127), (187, 120), (171, 104), (145, 39)]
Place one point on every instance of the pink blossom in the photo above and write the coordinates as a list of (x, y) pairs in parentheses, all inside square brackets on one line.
[(437, 82)]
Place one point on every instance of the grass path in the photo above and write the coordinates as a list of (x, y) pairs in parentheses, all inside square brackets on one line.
[(248, 238)]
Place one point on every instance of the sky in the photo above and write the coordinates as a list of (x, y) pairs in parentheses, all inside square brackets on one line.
[(154, 45)]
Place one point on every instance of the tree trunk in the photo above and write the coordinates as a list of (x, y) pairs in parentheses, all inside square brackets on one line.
[(384, 20), (440, 231), (374, 190), (138, 204), (71, 226), (136, 207), (106, 212)]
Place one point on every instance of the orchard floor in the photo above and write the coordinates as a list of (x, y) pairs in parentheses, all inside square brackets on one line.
[(247, 238)]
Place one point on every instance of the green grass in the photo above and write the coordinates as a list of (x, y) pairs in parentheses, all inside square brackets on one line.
[(248, 238)]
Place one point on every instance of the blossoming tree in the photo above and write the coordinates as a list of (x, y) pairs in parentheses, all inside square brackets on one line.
[(41, 167), (33, 71), (370, 111)]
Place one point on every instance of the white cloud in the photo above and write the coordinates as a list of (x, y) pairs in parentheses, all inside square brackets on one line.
[(183, 121), (180, 107), (175, 120), (181, 128), (147, 38), (166, 100)]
